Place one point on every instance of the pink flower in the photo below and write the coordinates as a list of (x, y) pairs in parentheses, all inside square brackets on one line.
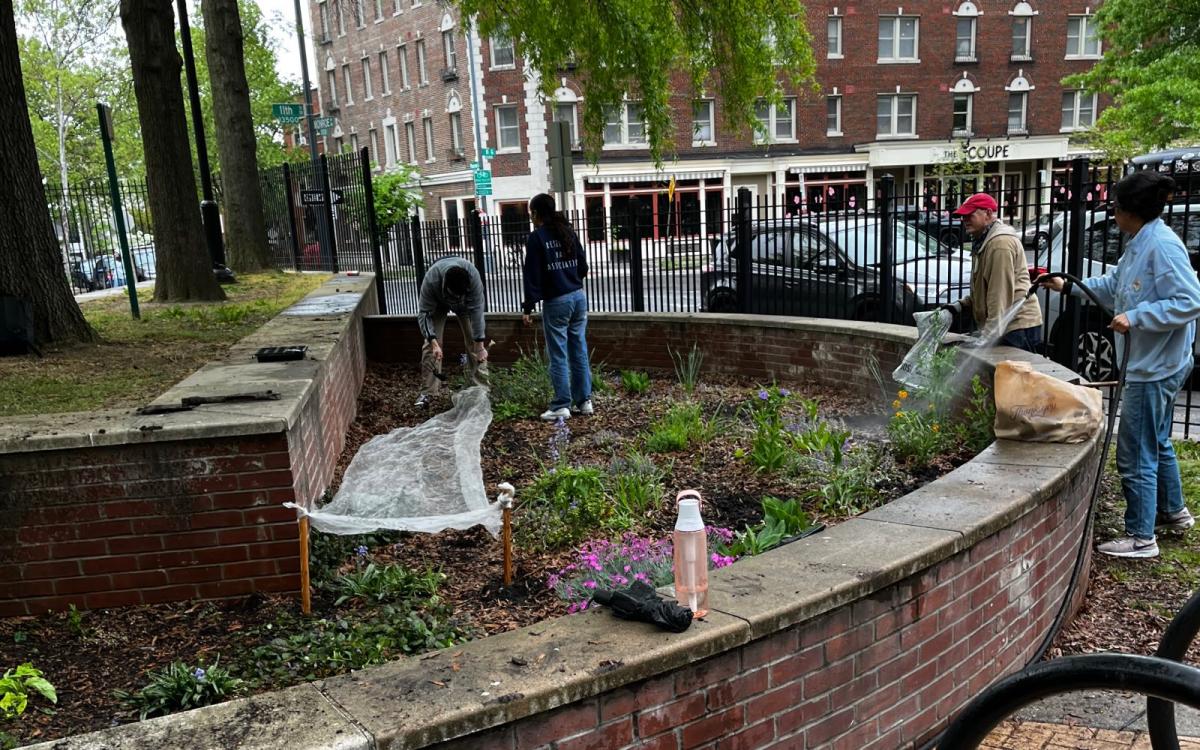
[(589, 584)]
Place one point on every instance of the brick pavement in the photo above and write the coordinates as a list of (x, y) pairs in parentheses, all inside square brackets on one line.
[(1015, 734)]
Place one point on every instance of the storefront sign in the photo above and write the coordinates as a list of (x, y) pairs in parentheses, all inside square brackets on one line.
[(1015, 149)]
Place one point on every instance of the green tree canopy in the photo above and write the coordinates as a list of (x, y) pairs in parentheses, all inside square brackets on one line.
[(740, 50), (1151, 68)]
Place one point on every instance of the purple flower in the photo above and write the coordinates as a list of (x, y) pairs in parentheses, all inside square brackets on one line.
[(199, 674), (462, 359), (361, 550), (784, 392), (763, 395)]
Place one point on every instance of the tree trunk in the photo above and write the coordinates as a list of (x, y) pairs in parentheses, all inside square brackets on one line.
[(30, 260), (245, 227), (183, 266)]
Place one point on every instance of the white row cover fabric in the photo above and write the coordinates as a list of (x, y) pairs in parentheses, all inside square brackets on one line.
[(425, 478)]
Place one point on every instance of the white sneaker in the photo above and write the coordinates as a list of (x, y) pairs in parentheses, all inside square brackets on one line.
[(586, 408), (552, 415), (1179, 521), (1128, 546), (423, 400)]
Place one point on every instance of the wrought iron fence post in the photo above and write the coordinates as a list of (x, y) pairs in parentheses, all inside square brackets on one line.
[(414, 227), (743, 233), (376, 255), (291, 210), (887, 233), (475, 229), (1075, 256), (328, 211), (636, 284)]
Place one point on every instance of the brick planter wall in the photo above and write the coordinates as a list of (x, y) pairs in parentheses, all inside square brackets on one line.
[(114, 508)]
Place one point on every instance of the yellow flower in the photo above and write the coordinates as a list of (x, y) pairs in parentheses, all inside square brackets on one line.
[(931, 406), (903, 395), (895, 404), (935, 427)]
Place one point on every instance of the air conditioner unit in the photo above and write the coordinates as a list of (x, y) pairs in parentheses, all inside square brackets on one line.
[(450, 74), (455, 154)]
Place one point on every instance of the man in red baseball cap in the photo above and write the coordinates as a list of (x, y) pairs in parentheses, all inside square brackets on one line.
[(999, 278)]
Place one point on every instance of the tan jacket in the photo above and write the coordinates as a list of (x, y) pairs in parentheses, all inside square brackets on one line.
[(1000, 277)]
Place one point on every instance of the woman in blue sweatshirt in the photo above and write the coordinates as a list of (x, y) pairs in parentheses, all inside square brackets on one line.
[(554, 270), (1154, 291)]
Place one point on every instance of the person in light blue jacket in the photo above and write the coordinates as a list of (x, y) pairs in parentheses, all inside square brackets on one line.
[(1156, 297)]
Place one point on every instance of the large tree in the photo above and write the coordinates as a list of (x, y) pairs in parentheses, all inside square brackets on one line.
[(1151, 68), (184, 267), (739, 49), (30, 263), (245, 227)]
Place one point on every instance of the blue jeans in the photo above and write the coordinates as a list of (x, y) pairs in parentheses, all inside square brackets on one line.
[(1145, 456), (564, 321), (1028, 339)]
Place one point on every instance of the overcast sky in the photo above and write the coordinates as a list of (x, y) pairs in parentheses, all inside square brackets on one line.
[(289, 50)]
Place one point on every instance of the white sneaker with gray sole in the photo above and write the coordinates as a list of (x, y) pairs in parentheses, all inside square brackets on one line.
[(553, 415), (1128, 546), (586, 408)]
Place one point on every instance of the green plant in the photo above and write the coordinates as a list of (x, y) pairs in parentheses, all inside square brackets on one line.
[(786, 513), (755, 540), (600, 563), (179, 687), (771, 448), (687, 369), (682, 425), (329, 552), (564, 505), (975, 428), (395, 198), (375, 584), (847, 487), (75, 621), (916, 437), (16, 685), (635, 482), (635, 382), (522, 389)]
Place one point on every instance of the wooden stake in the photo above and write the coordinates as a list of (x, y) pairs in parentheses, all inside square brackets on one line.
[(305, 591), (508, 572)]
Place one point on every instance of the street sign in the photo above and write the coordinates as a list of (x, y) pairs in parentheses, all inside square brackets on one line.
[(488, 153), (317, 197), (288, 114), (474, 166), (483, 182), (324, 124)]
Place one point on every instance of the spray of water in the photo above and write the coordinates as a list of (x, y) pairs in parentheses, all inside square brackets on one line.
[(968, 366)]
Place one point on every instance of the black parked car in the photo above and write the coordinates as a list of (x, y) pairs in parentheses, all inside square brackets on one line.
[(941, 224), (830, 268)]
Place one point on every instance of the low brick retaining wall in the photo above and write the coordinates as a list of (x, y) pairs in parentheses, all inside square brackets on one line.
[(114, 508), (869, 635)]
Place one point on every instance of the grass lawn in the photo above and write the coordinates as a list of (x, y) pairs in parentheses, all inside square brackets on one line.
[(136, 360)]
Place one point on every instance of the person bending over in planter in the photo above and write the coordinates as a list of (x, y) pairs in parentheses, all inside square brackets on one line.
[(1156, 297), (451, 285), (555, 267)]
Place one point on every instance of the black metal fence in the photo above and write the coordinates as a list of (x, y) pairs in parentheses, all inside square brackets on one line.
[(86, 228)]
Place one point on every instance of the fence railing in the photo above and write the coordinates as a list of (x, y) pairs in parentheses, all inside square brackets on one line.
[(84, 223)]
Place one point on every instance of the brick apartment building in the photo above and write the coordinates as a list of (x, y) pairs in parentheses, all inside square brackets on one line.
[(933, 83)]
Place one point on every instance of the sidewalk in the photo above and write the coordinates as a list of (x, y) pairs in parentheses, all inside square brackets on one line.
[(1088, 720)]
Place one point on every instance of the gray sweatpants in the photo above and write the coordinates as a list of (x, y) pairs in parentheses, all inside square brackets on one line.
[(477, 371)]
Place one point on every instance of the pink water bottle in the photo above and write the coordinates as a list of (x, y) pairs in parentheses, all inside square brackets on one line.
[(690, 562)]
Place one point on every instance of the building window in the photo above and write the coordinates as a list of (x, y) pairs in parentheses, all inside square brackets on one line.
[(1020, 39), (896, 115), (333, 99), (378, 10), (427, 126), (402, 54), (341, 17), (625, 126), (964, 41), (502, 52), (1081, 37), (1078, 110), (704, 132), (833, 115), (349, 88), (1018, 103), (508, 128), (422, 71), (390, 145), (325, 36), (565, 112), (396, 9), (338, 145), (963, 105), (354, 143), (359, 14), (833, 37), (456, 141), (375, 147), (385, 76), (410, 136), (368, 90), (778, 122), (898, 39), (448, 49)]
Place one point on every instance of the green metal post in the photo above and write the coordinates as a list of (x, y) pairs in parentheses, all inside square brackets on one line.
[(114, 190)]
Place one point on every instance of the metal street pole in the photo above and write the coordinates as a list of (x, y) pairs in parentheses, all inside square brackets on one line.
[(208, 207), (309, 116), (114, 190), (475, 105)]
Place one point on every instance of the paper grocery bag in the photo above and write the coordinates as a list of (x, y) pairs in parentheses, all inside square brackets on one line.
[(1038, 408)]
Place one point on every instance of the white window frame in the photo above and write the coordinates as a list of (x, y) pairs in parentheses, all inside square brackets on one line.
[(360, 14), (378, 11), (368, 89), (391, 145), (1087, 31), (402, 55), (354, 143), (410, 138), (895, 116), (627, 141), (514, 129), (1077, 97), (341, 16), (710, 120), (833, 37), (893, 57), (1017, 22), (836, 101), (385, 74), (456, 140), (573, 120), (1024, 126), (326, 30), (430, 145), (969, 98), (397, 7), (494, 43), (422, 64), (448, 49), (773, 121), (333, 95), (970, 56), (375, 145), (347, 76)]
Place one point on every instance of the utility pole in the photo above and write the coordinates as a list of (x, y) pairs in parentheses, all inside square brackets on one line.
[(476, 107)]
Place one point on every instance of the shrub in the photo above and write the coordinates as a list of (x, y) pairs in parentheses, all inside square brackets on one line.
[(916, 437), (385, 583), (975, 430), (522, 389), (635, 382), (635, 482), (682, 425), (179, 687), (847, 487), (687, 369), (16, 686), (564, 505)]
